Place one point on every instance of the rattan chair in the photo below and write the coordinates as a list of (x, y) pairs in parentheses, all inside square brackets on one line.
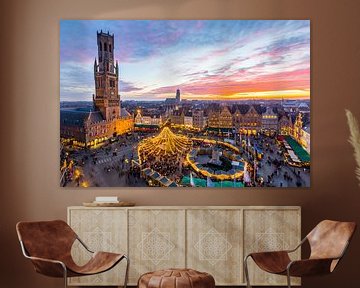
[(48, 245), (328, 242)]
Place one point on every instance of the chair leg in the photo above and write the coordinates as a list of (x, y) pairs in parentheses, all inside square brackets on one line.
[(65, 277), (288, 278), (126, 271), (246, 270)]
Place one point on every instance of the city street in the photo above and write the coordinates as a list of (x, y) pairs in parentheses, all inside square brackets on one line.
[(109, 165), (274, 170)]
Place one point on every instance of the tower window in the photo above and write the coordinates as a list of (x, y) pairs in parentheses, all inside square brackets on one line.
[(100, 46), (105, 47), (109, 47)]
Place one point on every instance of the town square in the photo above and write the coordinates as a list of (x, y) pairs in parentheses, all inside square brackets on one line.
[(228, 128)]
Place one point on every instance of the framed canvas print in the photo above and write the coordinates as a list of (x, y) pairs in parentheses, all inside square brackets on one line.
[(185, 103)]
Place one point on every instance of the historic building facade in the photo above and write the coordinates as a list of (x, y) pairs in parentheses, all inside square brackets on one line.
[(188, 119), (284, 125), (199, 120), (213, 118), (250, 122), (87, 127), (220, 118), (269, 121), (225, 118), (141, 119), (178, 117)]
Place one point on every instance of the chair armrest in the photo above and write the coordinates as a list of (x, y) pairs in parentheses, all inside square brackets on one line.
[(309, 267)]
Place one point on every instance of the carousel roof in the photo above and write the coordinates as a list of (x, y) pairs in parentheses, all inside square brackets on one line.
[(166, 143)]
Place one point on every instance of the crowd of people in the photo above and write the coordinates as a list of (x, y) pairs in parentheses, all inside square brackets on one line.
[(169, 166)]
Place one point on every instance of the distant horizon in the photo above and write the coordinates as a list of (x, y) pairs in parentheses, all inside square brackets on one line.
[(210, 60), (162, 100)]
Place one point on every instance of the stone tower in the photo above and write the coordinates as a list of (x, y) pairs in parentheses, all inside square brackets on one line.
[(178, 99), (106, 75)]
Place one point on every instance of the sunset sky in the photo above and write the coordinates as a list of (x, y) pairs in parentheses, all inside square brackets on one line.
[(205, 59)]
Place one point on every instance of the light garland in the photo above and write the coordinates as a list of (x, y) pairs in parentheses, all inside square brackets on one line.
[(165, 144), (210, 141), (221, 177), (169, 144)]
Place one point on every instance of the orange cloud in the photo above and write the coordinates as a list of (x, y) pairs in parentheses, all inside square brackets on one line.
[(293, 84)]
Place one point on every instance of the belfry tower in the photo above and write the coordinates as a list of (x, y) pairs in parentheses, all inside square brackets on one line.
[(106, 75)]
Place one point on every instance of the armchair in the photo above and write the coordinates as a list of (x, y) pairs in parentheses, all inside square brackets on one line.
[(328, 242), (48, 245)]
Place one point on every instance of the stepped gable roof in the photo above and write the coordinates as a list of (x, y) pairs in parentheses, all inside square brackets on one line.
[(259, 108), (225, 108), (233, 109), (74, 116), (244, 108)]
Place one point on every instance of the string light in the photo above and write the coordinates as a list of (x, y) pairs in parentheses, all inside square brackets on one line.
[(165, 144), (169, 144)]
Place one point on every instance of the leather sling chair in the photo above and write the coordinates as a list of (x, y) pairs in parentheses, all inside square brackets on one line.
[(328, 242), (48, 245)]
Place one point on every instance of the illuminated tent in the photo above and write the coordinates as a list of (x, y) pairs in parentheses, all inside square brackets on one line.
[(300, 152), (165, 144)]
